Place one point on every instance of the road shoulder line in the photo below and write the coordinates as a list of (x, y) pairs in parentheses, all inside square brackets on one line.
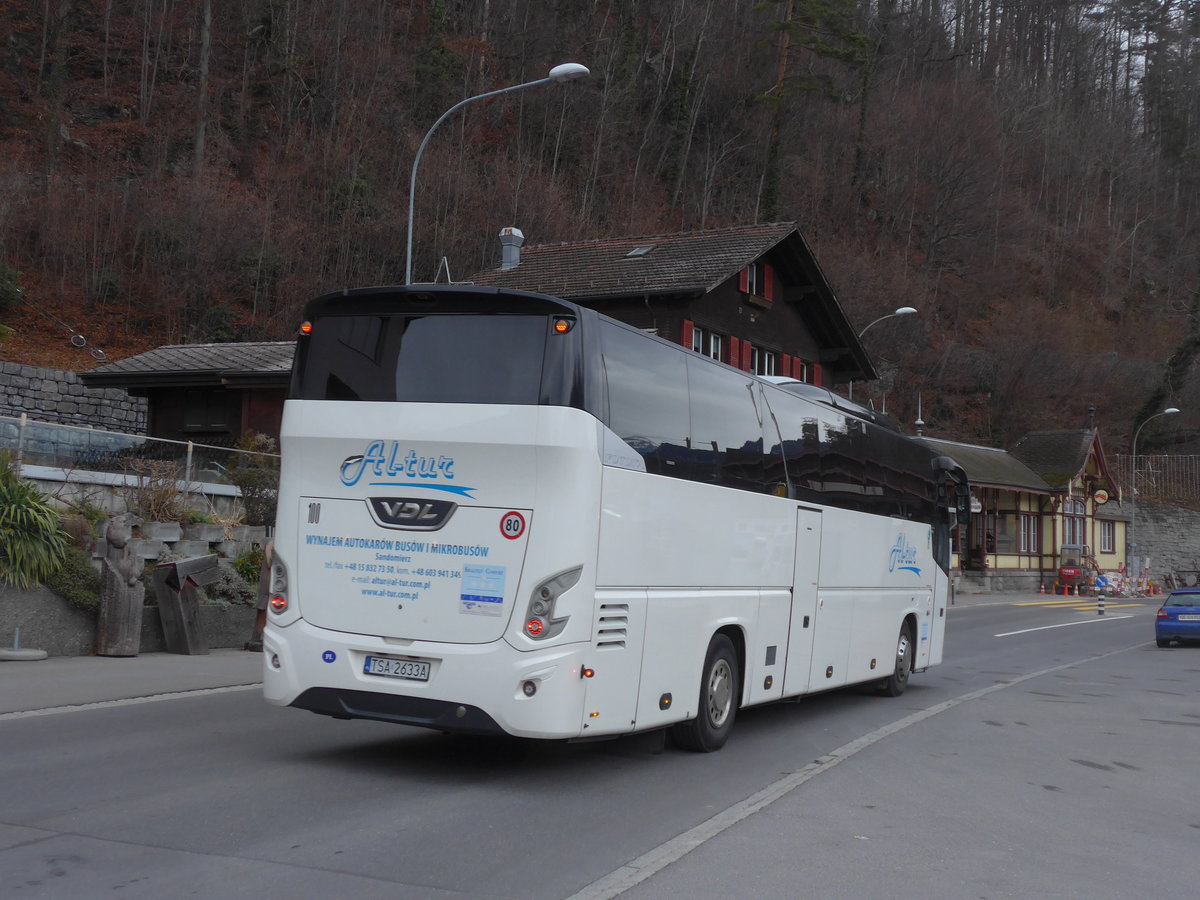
[(648, 864), (128, 701)]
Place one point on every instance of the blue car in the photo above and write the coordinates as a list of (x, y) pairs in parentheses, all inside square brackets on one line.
[(1179, 617)]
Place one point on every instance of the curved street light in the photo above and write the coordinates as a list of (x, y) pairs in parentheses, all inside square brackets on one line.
[(560, 73), (902, 311), (1170, 410)]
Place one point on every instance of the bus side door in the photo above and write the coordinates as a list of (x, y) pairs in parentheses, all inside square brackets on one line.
[(805, 581)]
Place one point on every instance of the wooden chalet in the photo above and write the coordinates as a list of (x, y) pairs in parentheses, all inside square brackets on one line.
[(751, 296), (206, 393)]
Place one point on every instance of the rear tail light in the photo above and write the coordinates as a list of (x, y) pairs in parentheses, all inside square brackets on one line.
[(540, 621), (1162, 614), (278, 587)]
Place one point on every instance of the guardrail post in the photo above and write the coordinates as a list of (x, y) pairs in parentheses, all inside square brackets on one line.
[(187, 473), (21, 441)]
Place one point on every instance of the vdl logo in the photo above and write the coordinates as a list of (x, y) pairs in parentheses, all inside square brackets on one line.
[(386, 463), (414, 515), (903, 556)]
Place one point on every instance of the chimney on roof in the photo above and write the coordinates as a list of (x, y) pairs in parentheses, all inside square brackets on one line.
[(511, 240)]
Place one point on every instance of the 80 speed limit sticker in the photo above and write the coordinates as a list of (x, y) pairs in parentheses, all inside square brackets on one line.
[(512, 525)]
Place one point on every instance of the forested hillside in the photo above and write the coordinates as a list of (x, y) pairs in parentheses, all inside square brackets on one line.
[(1024, 172)]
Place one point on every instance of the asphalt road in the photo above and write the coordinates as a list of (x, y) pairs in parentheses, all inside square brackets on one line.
[(1056, 762)]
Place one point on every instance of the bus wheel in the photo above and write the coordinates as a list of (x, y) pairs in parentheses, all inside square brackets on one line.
[(895, 683), (719, 694)]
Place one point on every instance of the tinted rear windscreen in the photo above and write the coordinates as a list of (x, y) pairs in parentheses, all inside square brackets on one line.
[(425, 359)]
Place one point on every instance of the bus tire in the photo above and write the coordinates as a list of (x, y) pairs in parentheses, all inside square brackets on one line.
[(720, 692), (894, 684)]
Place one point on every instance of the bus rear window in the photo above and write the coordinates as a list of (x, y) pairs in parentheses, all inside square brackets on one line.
[(424, 359)]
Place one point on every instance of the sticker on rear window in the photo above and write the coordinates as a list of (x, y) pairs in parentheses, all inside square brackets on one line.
[(482, 591)]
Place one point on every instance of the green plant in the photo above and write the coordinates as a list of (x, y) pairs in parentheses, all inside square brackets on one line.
[(77, 581), (249, 564), (32, 539), (229, 587), (255, 471), (93, 512), (83, 521)]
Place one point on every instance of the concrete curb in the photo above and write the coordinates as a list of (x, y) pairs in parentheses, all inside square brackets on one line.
[(14, 655)]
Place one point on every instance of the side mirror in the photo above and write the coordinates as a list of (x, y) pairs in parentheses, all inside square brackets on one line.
[(949, 472), (962, 502)]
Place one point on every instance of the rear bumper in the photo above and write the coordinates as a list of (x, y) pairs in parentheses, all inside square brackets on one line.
[(440, 714), (1185, 631), (472, 688)]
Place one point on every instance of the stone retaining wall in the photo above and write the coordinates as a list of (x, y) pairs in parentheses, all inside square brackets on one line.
[(56, 395), (1170, 537), (50, 623)]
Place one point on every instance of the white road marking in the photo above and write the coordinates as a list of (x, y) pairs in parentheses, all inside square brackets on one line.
[(1063, 625), (129, 701), (648, 864)]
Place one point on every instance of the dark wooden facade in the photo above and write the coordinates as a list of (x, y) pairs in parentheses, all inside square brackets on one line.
[(206, 393)]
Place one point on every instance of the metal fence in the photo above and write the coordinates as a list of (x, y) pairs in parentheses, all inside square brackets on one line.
[(1161, 478), (77, 449)]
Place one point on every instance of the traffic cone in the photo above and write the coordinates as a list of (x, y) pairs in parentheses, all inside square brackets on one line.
[(1041, 587)]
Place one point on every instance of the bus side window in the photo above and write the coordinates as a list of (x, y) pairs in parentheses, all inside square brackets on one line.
[(648, 399), (726, 426)]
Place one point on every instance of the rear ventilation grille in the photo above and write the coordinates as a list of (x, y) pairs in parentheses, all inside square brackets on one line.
[(612, 626)]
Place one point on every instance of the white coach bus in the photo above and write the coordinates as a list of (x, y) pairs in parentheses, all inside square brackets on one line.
[(500, 512)]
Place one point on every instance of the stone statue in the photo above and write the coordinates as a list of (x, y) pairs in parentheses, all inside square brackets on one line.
[(122, 594)]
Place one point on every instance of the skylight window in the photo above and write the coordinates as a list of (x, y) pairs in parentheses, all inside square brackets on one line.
[(639, 251)]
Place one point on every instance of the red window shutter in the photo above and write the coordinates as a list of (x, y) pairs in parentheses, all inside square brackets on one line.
[(745, 356), (733, 353), (818, 380), (768, 287), (797, 369), (785, 365), (686, 332), (744, 280)]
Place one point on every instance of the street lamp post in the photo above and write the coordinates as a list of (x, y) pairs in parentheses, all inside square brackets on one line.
[(1133, 483), (560, 73), (902, 311)]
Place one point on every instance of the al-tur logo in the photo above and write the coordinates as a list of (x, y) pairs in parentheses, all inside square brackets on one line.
[(386, 463), (903, 556)]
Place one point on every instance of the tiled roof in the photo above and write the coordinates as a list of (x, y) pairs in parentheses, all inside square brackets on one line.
[(691, 262), (989, 467), (218, 361), (1058, 456), (1115, 510)]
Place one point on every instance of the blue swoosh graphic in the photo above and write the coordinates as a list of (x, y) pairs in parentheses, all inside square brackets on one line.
[(448, 488), (912, 569)]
